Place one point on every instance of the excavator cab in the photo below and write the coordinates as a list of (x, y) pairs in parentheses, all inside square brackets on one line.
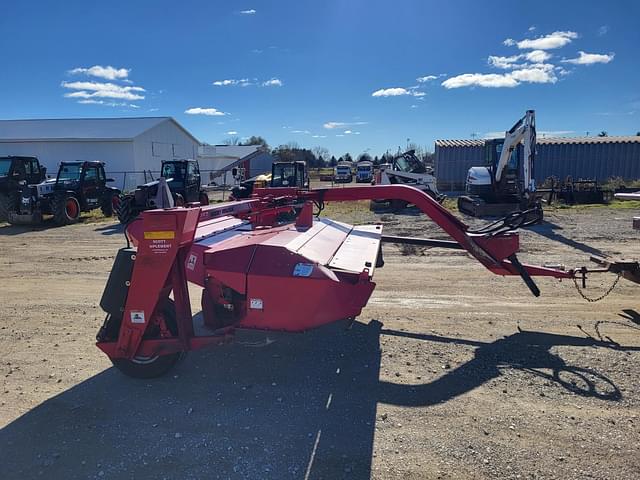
[(509, 183), (289, 174)]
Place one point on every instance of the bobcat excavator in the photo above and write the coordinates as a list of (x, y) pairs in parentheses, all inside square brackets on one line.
[(506, 183)]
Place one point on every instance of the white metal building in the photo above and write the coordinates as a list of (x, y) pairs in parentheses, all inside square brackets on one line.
[(214, 160), (126, 145)]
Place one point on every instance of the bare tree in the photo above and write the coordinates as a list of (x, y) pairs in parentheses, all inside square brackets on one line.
[(232, 141), (320, 152)]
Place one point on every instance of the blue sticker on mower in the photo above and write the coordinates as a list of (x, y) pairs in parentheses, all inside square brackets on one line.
[(303, 270)]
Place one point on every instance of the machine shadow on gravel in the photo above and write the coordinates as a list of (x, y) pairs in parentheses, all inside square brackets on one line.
[(269, 406), (302, 406), (525, 350), (549, 230), (7, 229), (111, 229)]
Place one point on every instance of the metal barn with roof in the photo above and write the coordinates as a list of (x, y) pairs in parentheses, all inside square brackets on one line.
[(598, 158), (126, 145)]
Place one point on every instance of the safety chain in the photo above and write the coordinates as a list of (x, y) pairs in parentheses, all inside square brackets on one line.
[(597, 299)]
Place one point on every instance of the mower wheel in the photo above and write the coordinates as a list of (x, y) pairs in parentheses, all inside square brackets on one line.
[(66, 209), (204, 199), (156, 366), (110, 205), (125, 209)]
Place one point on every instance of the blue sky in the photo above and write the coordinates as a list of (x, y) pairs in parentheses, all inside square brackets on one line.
[(349, 75)]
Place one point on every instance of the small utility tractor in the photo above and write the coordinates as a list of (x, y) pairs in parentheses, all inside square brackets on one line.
[(78, 187), (268, 263), (283, 174), (184, 181), (15, 174)]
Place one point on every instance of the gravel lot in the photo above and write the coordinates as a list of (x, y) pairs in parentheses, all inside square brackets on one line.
[(450, 372)]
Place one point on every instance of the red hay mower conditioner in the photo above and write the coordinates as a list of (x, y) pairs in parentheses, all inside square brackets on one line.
[(268, 263)]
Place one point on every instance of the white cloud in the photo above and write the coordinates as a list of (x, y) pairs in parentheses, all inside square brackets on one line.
[(232, 132), (538, 56), (509, 42), (397, 91), (339, 135), (103, 90), (318, 136), (306, 132), (248, 12), (246, 82), (108, 72), (532, 28), (532, 73), (347, 132), (211, 112), (542, 73), (603, 30), (332, 125), (273, 82), (242, 82), (91, 101), (590, 58), (546, 42), (413, 106), (503, 62), (427, 78), (489, 80)]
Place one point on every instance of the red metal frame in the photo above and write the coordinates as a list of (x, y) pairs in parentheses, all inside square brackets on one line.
[(257, 265)]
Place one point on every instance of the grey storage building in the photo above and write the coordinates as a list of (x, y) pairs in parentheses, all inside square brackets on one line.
[(597, 158)]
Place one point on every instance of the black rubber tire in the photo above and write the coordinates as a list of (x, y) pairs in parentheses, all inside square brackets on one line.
[(398, 205), (147, 367), (153, 367), (204, 199), (107, 207), (125, 210), (63, 215), (5, 206)]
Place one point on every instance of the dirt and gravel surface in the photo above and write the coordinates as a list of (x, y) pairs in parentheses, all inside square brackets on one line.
[(450, 371)]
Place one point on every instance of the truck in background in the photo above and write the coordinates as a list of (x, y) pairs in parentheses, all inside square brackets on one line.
[(364, 172), (343, 173)]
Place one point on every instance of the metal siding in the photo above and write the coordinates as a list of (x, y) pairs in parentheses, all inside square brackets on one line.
[(591, 158), (117, 156)]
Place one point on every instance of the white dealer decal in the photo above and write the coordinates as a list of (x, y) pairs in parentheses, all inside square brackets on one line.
[(137, 316), (256, 303), (191, 263)]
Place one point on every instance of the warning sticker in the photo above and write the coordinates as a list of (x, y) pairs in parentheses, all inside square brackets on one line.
[(137, 316), (160, 235), (255, 303), (191, 263)]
